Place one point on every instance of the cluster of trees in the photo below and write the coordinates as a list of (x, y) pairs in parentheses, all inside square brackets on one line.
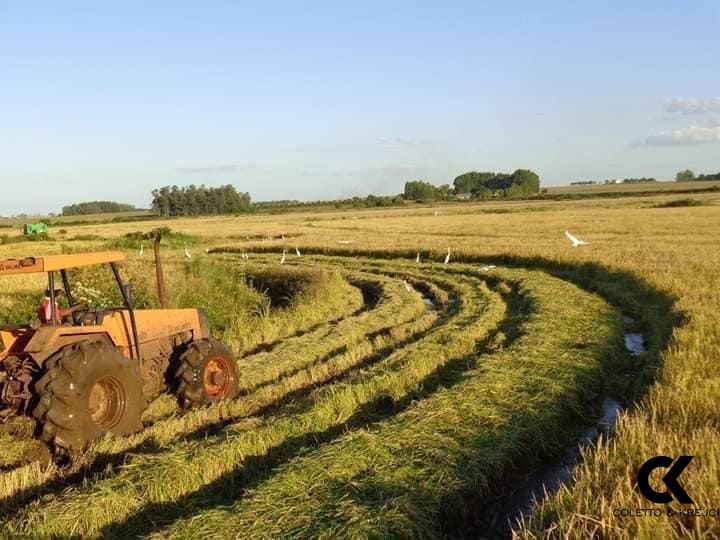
[(483, 185), (477, 185), (96, 207), (200, 200), (689, 176), (420, 191)]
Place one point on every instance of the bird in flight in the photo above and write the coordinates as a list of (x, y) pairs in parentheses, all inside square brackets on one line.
[(575, 240)]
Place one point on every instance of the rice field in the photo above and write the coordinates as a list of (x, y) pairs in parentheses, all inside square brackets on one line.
[(385, 393)]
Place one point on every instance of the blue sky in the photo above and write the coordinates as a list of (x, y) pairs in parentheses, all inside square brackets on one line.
[(309, 100)]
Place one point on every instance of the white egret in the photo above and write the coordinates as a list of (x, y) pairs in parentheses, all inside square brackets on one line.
[(282, 259), (408, 288), (487, 267), (142, 249), (297, 251), (346, 242), (187, 253), (447, 257), (417, 259), (575, 241)]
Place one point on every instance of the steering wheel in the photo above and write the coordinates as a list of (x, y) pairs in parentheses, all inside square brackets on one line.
[(80, 316)]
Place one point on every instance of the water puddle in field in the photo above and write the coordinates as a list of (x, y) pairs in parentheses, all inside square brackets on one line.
[(551, 476), (635, 343)]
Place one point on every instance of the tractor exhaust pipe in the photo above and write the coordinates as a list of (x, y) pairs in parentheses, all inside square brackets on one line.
[(162, 293)]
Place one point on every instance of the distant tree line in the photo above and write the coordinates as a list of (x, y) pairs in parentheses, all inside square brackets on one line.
[(689, 176), (96, 207), (477, 185), (638, 180), (170, 201), (642, 180), (371, 201)]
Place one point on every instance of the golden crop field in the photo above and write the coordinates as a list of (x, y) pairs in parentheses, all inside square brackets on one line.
[(386, 393)]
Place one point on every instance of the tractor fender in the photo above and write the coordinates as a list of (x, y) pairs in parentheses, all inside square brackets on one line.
[(47, 341)]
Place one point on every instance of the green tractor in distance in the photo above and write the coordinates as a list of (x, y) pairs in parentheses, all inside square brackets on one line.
[(35, 229)]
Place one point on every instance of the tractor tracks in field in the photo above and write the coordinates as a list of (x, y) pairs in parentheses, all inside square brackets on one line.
[(104, 465), (252, 471), (302, 404)]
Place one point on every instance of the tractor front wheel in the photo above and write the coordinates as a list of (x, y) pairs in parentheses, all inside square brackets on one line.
[(207, 373), (88, 389)]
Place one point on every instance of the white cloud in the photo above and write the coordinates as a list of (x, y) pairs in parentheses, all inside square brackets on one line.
[(688, 136), (692, 105)]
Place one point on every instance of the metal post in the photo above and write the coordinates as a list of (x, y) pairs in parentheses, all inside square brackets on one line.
[(162, 293), (128, 305), (51, 286), (66, 286)]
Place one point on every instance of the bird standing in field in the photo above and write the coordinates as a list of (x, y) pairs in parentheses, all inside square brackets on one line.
[(207, 250), (187, 253), (408, 288), (575, 240), (297, 251), (447, 257), (417, 259), (487, 267), (282, 259), (345, 242), (142, 249)]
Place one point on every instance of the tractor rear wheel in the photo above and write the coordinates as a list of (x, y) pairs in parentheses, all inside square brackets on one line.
[(207, 373), (88, 389)]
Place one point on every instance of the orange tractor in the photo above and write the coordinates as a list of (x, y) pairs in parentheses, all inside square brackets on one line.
[(95, 372)]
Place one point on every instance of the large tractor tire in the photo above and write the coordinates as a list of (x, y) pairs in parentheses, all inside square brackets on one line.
[(88, 389), (207, 373)]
